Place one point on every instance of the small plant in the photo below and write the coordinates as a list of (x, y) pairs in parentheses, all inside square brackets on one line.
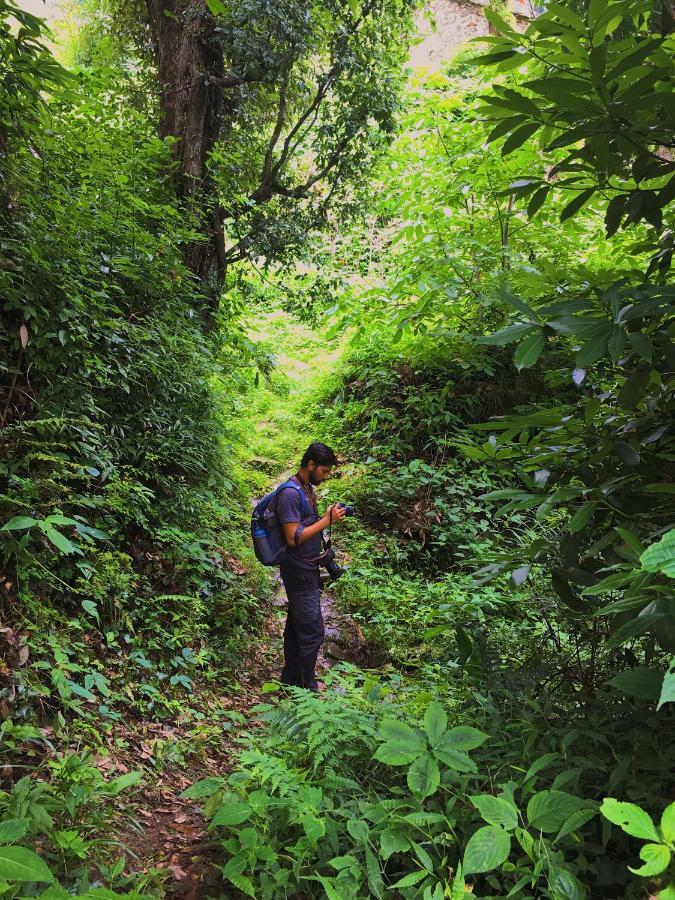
[(658, 854)]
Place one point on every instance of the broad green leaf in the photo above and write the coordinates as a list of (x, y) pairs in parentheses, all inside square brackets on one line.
[(614, 213), (542, 762), (626, 453), (206, 787), (656, 858), (391, 842), (435, 722), (423, 819), (616, 343), (375, 881), (641, 682), (668, 686), (243, 884), (630, 818), (423, 857), (19, 523), (122, 783), (498, 23), (496, 810), (21, 864), (529, 350), (641, 344), (518, 303), (668, 823), (592, 350), (313, 827), (573, 207), (487, 849), (564, 885), (576, 821), (537, 201), (90, 607), (634, 387), (463, 737), (13, 830), (359, 830), (519, 136), (633, 628), (583, 516), (394, 753), (80, 691), (549, 810), (410, 880), (232, 812), (399, 732), (424, 776), (660, 557), (631, 539), (455, 759), (507, 335), (60, 541), (566, 15), (60, 520)]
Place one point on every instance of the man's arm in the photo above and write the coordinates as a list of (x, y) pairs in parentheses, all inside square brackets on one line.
[(309, 531)]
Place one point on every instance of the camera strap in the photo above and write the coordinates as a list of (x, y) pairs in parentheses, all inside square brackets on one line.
[(298, 531)]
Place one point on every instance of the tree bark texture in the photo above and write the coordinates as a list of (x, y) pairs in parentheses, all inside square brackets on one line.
[(190, 65)]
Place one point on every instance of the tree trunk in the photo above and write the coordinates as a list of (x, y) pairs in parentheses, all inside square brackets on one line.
[(190, 66)]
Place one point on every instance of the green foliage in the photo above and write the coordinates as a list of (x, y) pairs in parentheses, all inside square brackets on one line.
[(595, 85), (655, 855), (116, 469), (511, 563), (27, 69), (609, 467), (579, 460), (62, 815), (368, 792)]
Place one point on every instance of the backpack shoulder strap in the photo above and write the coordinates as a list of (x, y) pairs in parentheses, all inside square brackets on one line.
[(296, 487)]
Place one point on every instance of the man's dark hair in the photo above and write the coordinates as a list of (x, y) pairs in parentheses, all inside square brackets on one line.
[(320, 454)]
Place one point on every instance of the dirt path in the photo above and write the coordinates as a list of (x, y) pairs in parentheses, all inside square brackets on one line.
[(170, 836)]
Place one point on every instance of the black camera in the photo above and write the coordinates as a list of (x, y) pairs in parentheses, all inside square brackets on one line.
[(349, 510), (333, 569)]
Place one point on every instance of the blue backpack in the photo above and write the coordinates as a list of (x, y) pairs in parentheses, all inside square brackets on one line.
[(269, 542)]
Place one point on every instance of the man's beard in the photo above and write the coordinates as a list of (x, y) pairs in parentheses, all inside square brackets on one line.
[(313, 479)]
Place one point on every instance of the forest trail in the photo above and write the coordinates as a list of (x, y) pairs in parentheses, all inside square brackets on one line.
[(169, 838)]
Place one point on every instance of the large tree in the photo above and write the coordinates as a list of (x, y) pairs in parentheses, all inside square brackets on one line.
[(275, 108)]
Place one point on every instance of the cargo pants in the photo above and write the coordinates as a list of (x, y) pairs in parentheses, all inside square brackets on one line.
[(304, 631)]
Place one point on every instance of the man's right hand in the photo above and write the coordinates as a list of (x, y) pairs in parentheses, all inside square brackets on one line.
[(334, 513)]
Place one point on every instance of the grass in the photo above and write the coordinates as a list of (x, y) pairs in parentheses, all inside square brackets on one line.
[(277, 422)]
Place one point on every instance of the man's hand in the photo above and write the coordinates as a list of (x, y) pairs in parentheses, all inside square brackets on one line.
[(334, 513)]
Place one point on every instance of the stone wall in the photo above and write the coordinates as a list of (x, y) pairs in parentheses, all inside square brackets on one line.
[(457, 21)]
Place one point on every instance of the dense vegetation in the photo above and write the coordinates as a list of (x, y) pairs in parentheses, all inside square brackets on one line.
[(485, 256)]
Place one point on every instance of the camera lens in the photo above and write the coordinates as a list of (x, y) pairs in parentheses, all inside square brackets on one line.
[(349, 510)]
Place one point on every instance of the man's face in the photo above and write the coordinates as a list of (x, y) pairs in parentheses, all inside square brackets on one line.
[(317, 474)]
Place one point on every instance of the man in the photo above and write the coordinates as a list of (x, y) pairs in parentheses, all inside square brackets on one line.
[(302, 527)]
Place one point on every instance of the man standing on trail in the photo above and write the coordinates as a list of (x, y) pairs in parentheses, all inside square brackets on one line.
[(302, 526)]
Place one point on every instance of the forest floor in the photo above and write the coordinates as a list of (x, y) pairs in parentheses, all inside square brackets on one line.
[(171, 839)]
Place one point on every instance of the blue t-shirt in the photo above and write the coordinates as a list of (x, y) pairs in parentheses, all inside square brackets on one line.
[(290, 508)]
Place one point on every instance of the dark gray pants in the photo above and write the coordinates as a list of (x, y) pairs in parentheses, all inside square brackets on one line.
[(304, 631)]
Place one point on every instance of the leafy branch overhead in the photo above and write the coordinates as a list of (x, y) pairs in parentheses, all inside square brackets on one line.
[(276, 111), (595, 88)]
